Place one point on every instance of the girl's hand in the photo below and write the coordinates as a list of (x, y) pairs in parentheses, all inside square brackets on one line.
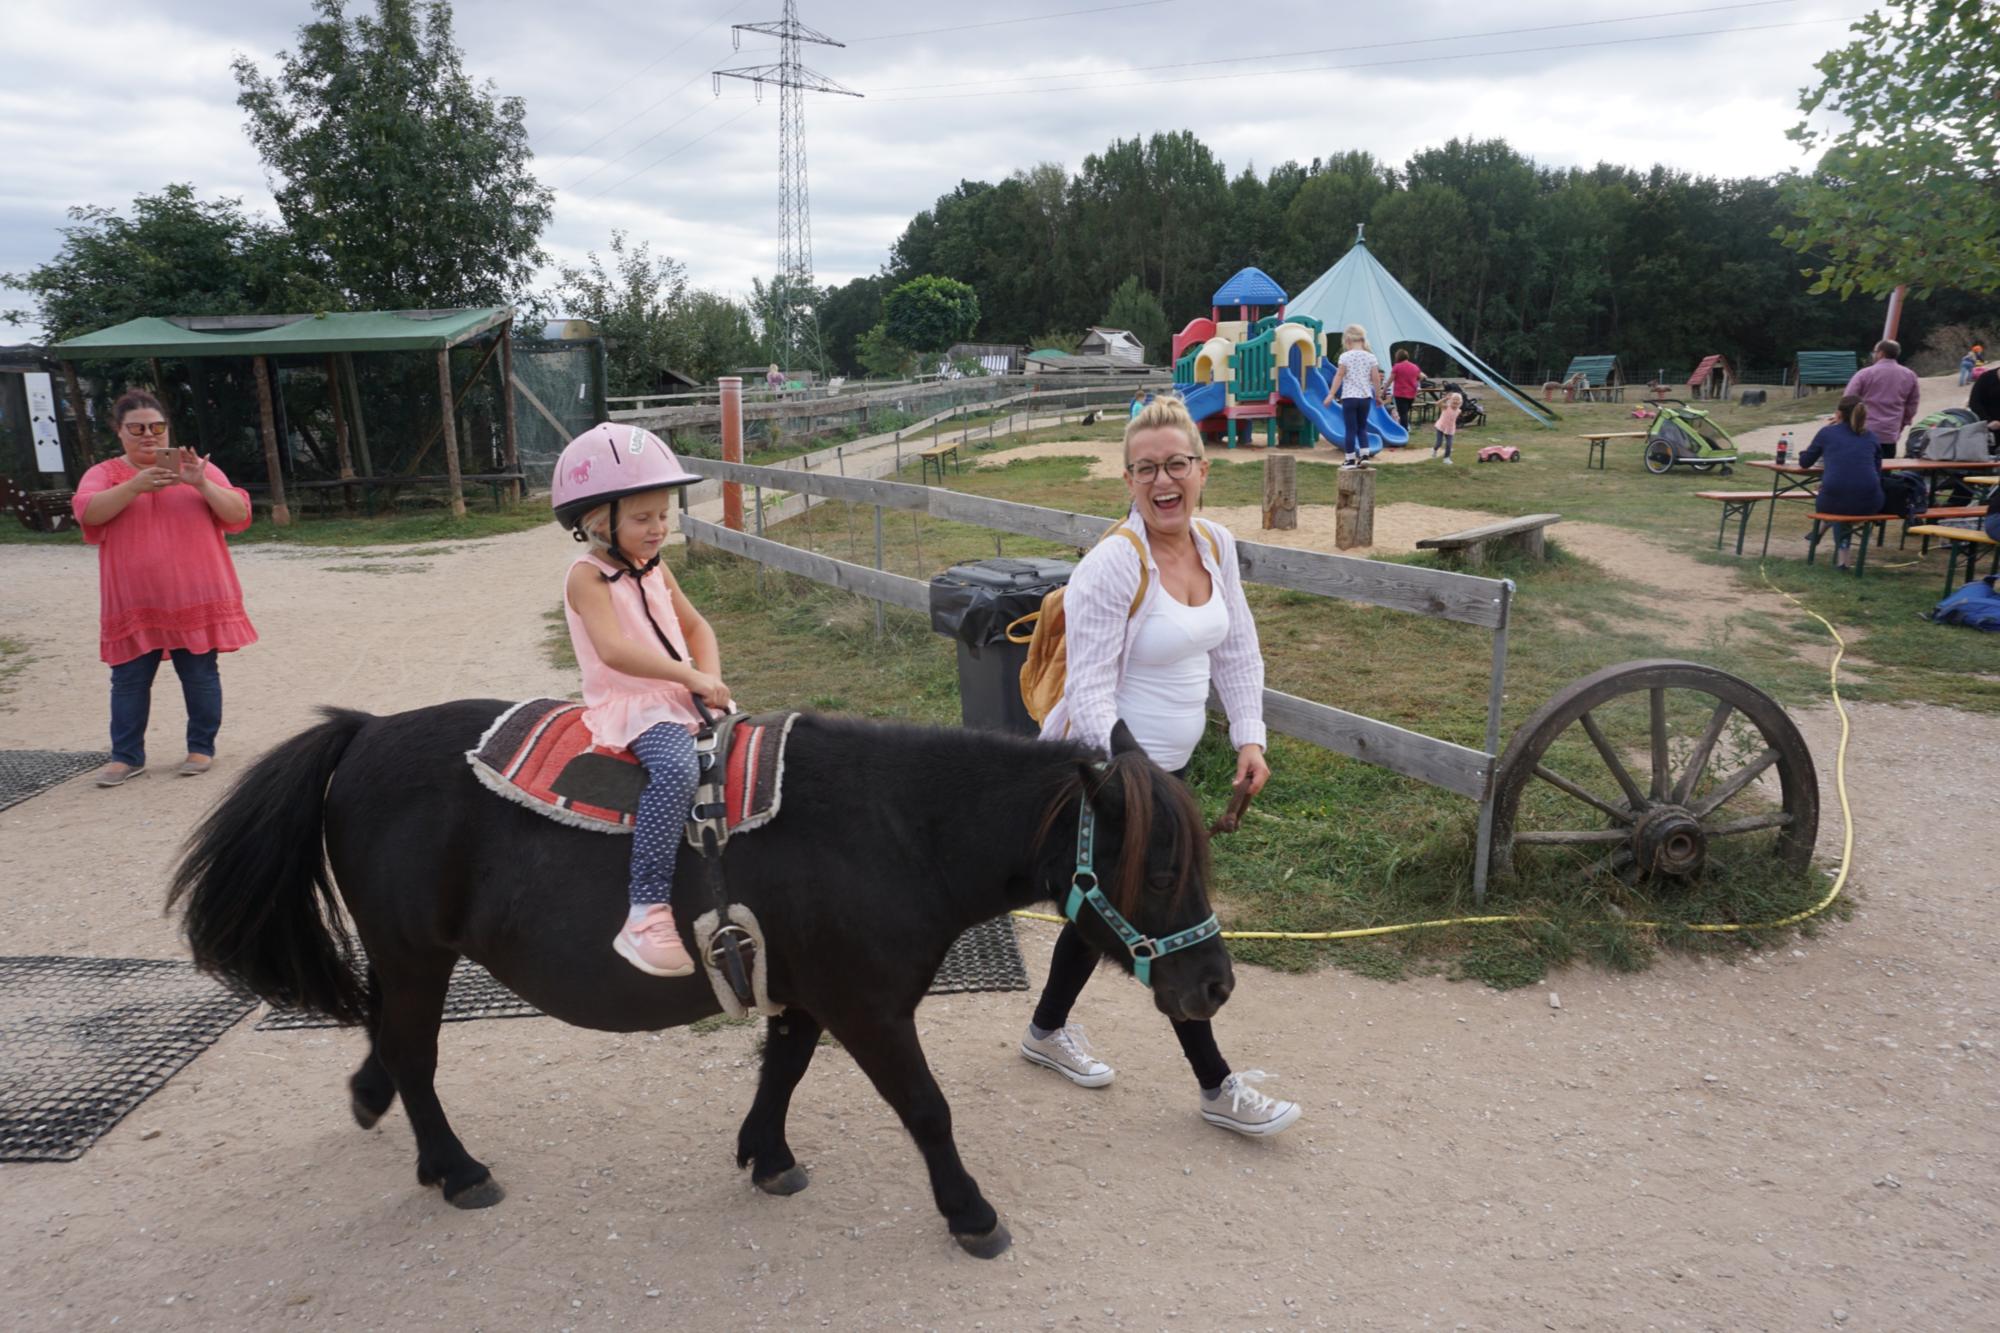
[(194, 467), (151, 479), (710, 690), (1251, 770)]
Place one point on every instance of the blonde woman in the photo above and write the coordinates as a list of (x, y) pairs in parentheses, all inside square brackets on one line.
[(1357, 382), (1151, 667)]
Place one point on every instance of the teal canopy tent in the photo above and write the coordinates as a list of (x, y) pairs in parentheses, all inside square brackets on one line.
[(1358, 290)]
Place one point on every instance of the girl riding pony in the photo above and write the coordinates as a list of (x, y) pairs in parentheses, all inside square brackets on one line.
[(646, 655)]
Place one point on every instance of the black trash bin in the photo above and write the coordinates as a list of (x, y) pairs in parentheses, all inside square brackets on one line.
[(974, 604)]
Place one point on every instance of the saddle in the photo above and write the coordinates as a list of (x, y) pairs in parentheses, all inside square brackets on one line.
[(539, 754)]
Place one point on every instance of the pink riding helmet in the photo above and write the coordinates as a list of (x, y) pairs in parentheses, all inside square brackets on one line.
[(608, 462)]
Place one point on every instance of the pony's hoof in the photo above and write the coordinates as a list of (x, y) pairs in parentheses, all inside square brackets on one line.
[(482, 1195), (365, 1115), (788, 1181), (990, 1245)]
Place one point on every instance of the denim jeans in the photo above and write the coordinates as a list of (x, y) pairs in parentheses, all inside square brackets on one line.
[(132, 702)]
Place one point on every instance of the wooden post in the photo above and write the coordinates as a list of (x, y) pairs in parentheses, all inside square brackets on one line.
[(1354, 508), (1281, 492), (510, 445), (450, 434), (86, 443), (274, 476), (159, 377), (732, 452), (354, 417), (340, 449)]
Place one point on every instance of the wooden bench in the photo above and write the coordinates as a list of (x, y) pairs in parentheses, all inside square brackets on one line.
[(1594, 457), (1968, 540), (1938, 514), (1470, 548), (1739, 505), (1823, 523), (937, 454)]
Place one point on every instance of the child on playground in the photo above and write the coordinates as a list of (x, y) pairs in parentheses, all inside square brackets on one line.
[(646, 656), (1447, 424), (1357, 382)]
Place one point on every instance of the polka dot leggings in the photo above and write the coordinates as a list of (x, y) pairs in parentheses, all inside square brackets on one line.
[(666, 750)]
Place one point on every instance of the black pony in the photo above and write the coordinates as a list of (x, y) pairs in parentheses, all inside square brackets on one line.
[(894, 840)]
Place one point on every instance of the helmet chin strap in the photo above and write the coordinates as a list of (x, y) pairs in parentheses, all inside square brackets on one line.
[(637, 572)]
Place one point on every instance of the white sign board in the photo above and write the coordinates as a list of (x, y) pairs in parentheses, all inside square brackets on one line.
[(42, 417)]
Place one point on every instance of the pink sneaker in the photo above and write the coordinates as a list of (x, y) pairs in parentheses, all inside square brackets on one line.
[(653, 945)]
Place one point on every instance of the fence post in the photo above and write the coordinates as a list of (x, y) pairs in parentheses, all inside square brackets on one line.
[(732, 452), (1495, 691), (758, 497), (878, 565)]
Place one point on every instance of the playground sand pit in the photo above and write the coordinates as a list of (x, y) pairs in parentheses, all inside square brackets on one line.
[(1107, 461), (1803, 1139)]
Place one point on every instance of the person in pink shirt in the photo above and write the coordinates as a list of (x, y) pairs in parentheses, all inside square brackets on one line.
[(646, 655), (1891, 391), (157, 516), (1447, 424), (1404, 381)]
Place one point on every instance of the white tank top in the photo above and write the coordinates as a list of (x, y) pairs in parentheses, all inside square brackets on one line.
[(1163, 697)]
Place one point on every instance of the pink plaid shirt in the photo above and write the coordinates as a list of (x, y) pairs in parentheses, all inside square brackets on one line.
[(1099, 633)]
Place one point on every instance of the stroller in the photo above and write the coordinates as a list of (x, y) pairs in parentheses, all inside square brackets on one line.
[(1687, 436), (1470, 411)]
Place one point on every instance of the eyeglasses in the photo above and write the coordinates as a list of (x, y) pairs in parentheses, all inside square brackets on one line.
[(144, 428), (1175, 467)]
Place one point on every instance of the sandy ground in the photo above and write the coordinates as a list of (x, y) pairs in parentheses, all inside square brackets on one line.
[(1802, 1140)]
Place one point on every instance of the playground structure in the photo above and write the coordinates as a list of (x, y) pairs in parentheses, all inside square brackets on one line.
[(1265, 366), (1711, 379), (1823, 370), (1588, 377)]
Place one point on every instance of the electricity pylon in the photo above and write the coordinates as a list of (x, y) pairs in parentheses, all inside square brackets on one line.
[(796, 298)]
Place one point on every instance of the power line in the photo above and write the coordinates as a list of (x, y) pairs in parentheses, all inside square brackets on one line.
[(1001, 23), (574, 115), (1368, 46), (1373, 64), (668, 156)]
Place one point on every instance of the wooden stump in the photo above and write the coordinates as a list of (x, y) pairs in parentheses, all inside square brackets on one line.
[(1281, 491), (1354, 508)]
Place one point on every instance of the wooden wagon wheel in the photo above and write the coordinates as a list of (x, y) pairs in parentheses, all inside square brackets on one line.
[(1665, 821)]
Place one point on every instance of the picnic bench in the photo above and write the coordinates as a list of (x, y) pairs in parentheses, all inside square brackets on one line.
[(1470, 549), (1595, 455), (937, 454), (1824, 523), (1968, 540), (1739, 505), (39, 511)]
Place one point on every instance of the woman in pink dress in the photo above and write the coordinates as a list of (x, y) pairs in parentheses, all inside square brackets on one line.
[(157, 516)]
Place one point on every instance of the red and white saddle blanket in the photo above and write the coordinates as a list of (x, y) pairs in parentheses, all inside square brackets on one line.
[(539, 754)]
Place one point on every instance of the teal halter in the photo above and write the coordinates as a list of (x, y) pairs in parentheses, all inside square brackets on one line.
[(1083, 889)]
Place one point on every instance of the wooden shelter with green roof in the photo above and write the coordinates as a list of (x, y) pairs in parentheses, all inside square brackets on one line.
[(1601, 375), (331, 339)]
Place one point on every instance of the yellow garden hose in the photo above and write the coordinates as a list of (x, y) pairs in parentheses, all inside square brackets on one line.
[(1839, 879)]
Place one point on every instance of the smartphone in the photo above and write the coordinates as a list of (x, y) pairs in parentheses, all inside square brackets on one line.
[(170, 459)]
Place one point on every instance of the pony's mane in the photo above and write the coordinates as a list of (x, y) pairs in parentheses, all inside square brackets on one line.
[(1139, 780)]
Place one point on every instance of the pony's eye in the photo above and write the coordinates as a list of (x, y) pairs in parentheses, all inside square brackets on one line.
[(1161, 883)]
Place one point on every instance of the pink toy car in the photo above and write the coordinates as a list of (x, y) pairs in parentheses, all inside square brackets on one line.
[(1499, 453)]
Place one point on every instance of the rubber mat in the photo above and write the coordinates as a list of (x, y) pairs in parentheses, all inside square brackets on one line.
[(25, 773), (84, 1040)]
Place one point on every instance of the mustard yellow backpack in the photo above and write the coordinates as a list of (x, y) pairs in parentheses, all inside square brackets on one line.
[(1046, 671)]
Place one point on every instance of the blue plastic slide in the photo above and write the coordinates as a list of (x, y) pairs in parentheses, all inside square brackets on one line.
[(1204, 400), (1383, 428)]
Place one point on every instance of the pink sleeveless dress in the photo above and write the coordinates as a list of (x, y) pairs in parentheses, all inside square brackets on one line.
[(619, 707)]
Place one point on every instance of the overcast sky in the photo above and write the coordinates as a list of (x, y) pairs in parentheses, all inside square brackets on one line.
[(106, 99)]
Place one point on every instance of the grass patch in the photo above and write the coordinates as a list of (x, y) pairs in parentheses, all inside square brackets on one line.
[(409, 526), (14, 659)]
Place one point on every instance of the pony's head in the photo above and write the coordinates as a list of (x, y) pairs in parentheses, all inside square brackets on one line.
[(1150, 864)]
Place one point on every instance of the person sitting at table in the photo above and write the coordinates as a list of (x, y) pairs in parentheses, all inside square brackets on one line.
[(1852, 479)]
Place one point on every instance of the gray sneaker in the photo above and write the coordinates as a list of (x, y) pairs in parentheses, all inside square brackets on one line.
[(1239, 1106), (1066, 1052)]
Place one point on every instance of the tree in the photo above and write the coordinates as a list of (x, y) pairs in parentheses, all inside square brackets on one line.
[(407, 180), (175, 255), (634, 303), (1137, 310), (845, 313), (714, 335), (930, 313), (879, 354), (1909, 190)]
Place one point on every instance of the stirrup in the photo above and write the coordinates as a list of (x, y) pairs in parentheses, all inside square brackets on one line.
[(733, 954)]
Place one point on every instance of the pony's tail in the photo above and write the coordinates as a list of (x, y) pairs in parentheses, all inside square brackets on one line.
[(259, 905)]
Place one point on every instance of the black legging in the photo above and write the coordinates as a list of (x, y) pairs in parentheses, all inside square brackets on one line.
[(1071, 965)]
